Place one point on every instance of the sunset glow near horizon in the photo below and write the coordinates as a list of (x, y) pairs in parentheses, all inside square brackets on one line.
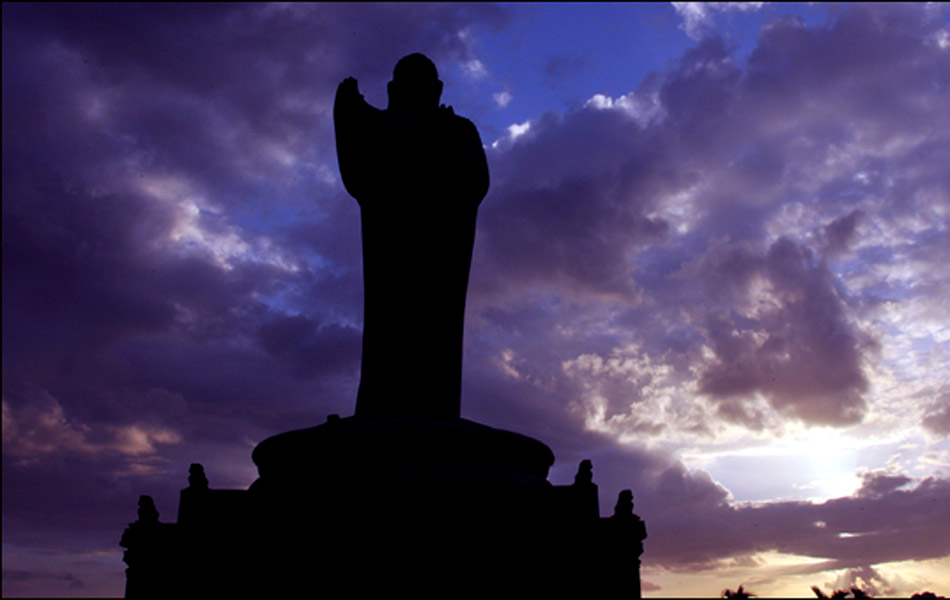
[(713, 260)]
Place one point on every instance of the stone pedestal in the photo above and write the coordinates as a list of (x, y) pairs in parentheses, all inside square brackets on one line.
[(416, 505), (352, 451), (426, 507)]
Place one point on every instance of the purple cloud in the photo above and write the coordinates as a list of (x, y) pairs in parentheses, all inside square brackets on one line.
[(937, 420)]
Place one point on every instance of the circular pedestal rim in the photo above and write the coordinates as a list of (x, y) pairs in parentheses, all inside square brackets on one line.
[(354, 443)]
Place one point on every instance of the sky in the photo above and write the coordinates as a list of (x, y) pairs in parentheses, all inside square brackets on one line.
[(712, 260)]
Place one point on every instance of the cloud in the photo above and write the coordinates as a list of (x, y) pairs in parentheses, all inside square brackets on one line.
[(561, 211), (841, 233), (560, 67), (18, 575), (502, 99), (39, 427), (698, 17), (171, 198), (475, 69), (716, 272), (937, 420), (877, 483), (644, 108), (867, 579), (612, 385), (714, 235), (856, 531), (329, 350), (785, 336)]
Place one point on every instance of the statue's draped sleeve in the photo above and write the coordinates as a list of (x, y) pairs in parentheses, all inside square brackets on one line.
[(440, 159), (355, 122), (473, 162)]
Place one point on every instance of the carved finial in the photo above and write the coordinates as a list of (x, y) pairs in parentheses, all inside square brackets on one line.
[(196, 477), (585, 473), (624, 507), (147, 512)]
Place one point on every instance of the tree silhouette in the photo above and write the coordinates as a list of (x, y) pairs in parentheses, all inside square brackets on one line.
[(739, 594), (855, 592)]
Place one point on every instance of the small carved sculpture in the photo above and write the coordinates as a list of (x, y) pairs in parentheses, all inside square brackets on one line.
[(148, 514), (585, 473), (623, 512), (196, 477), (624, 506), (133, 534)]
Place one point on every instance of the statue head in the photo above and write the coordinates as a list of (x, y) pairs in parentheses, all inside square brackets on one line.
[(415, 86)]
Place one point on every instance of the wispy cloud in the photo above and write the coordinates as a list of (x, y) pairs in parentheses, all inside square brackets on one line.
[(699, 17)]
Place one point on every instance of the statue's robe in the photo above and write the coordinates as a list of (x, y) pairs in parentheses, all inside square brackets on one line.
[(418, 178)]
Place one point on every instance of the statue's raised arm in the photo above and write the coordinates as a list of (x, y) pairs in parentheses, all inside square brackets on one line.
[(419, 172), (354, 121)]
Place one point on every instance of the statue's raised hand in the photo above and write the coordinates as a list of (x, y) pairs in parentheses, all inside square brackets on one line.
[(348, 90)]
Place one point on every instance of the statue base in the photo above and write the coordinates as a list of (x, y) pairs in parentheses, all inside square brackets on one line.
[(357, 506), (401, 452)]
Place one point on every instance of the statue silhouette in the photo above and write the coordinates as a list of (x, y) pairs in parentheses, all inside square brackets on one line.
[(405, 494), (419, 173)]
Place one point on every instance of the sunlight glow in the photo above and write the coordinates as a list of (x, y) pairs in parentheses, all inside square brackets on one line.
[(782, 575)]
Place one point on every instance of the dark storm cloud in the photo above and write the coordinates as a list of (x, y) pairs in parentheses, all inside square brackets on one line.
[(677, 216), (783, 170), (937, 419), (809, 363), (567, 207), (148, 149), (16, 575), (840, 233), (213, 90), (135, 142), (880, 524), (328, 349)]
